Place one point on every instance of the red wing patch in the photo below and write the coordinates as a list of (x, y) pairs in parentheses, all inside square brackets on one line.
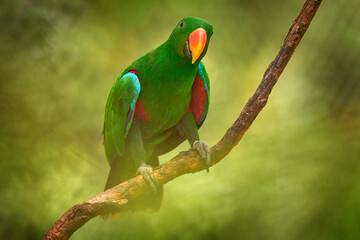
[(140, 112), (198, 97)]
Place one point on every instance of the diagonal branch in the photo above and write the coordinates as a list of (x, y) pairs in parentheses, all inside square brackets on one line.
[(114, 199)]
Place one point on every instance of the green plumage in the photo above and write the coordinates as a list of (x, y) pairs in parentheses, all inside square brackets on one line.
[(144, 121)]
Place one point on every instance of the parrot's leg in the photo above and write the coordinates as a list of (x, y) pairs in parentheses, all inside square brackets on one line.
[(147, 173), (136, 146), (188, 125), (204, 152)]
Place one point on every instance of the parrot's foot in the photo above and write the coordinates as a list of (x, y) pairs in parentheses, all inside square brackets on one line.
[(204, 152), (147, 173)]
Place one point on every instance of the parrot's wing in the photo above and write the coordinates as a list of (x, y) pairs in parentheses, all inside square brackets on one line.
[(200, 97), (119, 113)]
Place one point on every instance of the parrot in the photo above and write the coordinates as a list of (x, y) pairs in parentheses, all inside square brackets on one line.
[(159, 101)]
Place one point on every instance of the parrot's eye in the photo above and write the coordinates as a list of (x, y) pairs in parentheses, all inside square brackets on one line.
[(212, 33), (181, 24)]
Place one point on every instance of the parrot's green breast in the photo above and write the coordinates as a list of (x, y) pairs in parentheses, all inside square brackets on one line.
[(165, 90)]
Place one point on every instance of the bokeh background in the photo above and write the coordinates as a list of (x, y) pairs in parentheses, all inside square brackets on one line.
[(294, 175)]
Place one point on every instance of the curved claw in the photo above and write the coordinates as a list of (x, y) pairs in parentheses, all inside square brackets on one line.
[(204, 151), (147, 173)]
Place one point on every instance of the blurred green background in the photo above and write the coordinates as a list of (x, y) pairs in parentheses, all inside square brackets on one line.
[(294, 175)]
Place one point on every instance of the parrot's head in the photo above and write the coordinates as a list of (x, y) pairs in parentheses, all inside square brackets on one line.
[(190, 39)]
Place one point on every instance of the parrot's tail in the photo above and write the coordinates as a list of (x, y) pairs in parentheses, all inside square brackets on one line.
[(121, 171)]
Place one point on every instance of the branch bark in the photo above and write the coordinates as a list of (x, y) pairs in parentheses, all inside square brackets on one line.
[(114, 199)]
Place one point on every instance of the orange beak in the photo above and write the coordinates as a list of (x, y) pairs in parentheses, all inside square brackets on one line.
[(197, 41)]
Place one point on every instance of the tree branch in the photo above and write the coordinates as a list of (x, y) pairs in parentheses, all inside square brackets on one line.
[(114, 199)]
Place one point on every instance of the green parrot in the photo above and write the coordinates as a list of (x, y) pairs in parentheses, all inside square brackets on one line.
[(158, 102)]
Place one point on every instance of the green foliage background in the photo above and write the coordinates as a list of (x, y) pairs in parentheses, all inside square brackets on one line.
[(295, 174)]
